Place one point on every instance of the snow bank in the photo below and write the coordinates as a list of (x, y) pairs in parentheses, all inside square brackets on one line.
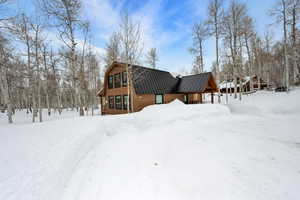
[(270, 103), (175, 151)]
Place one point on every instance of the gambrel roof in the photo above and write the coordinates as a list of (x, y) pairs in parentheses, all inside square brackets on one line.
[(153, 81)]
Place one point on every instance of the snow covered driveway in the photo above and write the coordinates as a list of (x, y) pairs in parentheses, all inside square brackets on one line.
[(248, 150)]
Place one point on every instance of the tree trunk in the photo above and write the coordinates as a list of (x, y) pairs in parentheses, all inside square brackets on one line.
[(128, 88), (226, 90), (217, 57), (287, 71), (235, 86), (6, 97)]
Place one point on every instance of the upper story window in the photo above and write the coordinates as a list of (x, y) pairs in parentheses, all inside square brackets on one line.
[(117, 79), (118, 102), (159, 99), (111, 102), (124, 79), (110, 81)]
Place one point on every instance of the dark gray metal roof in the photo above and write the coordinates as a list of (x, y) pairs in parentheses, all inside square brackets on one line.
[(194, 83), (153, 81)]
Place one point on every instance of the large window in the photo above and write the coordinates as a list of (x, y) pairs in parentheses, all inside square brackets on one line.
[(111, 81), (111, 102), (124, 79), (118, 102), (125, 102), (117, 80), (159, 99)]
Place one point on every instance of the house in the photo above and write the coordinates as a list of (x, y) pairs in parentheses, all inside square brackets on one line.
[(245, 83), (148, 86)]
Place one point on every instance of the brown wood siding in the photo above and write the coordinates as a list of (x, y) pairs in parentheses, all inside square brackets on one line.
[(114, 91), (141, 101)]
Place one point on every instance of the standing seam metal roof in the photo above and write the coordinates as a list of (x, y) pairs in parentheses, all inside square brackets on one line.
[(153, 81)]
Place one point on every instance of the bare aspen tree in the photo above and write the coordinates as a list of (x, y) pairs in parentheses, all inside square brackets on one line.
[(131, 44), (152, 58), (257, 51), (215, 9), (94, 76), (21, 28), (46, 75), (86, 31), (200, 34), (232, 32), (280, 12), (4, 59), (37, 45), (54, 79), (4, 56), (65, 14), (112, 49), (293, 11), (240, 69), (248, 31), (268, 43)]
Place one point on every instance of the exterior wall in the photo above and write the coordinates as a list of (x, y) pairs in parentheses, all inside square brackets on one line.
[(113, 91), (141, 101), (194, 98)]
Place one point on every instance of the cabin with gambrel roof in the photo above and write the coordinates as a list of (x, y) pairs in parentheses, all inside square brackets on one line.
[(130, 88)]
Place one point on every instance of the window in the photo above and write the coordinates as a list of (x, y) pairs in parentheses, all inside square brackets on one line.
[(111, 102), (111, 82), (118, 102), (124, 79), (125, 102), (117, 80), (159, 99), (185, 98)]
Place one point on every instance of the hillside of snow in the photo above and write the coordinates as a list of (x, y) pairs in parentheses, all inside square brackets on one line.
[(247, 150)]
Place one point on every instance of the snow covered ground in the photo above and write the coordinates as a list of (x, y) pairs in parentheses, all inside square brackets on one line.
[(244, 150), (22, 117)]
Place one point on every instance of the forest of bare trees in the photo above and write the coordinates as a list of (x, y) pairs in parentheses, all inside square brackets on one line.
[(247, 52), (38, 74)]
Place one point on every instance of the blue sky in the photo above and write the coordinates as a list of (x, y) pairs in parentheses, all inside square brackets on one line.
[(166, 25)]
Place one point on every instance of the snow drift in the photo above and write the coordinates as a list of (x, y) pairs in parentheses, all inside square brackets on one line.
[(242, 151)]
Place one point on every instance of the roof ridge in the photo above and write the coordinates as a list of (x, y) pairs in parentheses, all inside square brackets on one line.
[(196, 74), (151, 68), (136, 65)]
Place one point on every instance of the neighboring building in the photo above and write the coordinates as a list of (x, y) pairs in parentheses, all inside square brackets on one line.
[(245, 83), (150, 86)]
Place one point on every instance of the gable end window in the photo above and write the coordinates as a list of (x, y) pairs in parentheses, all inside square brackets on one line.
[(111, 82), (111, 102), (159, 99), (118, 102), (124, 79), (117, 79)]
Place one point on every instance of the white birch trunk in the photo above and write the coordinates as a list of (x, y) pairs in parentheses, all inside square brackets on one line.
[(6, 97)]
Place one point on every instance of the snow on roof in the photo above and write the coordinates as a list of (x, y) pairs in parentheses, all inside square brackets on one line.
[(230, 84)]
